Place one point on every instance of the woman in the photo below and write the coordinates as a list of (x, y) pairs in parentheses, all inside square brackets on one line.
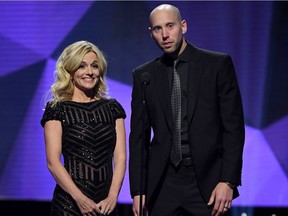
[(87, 127)]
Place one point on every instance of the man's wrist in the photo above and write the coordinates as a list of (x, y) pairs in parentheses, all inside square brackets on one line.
[(230, 185)]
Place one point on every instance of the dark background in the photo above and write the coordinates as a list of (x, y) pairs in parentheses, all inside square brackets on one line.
[(33, 33)]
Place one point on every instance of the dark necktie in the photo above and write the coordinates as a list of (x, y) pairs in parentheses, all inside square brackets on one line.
[(176, 154)]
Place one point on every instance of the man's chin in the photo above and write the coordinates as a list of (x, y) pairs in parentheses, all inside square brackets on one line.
[(168, 50)]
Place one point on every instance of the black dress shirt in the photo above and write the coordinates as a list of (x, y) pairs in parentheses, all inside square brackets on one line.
[(182, 68)]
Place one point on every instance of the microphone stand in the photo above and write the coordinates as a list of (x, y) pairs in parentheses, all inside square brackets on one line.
[(145, 83)]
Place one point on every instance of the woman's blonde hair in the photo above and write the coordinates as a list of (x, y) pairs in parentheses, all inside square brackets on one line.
[(68, 62)]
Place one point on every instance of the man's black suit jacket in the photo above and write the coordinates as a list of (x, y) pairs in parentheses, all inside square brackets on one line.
[(215, 122)]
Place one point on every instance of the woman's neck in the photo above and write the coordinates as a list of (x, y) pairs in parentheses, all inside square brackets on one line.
[(82, 97)]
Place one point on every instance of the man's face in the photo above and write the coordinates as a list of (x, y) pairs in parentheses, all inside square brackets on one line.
[(167, 30)]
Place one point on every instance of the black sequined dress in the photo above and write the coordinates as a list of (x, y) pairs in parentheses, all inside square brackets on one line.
[(88, 142)]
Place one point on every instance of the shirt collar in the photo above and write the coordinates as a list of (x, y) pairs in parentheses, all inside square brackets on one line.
[(183, 57)]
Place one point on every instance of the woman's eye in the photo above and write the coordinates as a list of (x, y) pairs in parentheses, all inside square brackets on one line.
[(81, 66), (95, 65)]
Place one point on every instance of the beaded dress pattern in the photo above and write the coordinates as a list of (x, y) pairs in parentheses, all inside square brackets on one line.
[(88, 142)]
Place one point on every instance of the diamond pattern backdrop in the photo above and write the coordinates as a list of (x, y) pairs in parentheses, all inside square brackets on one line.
[(32, 35)]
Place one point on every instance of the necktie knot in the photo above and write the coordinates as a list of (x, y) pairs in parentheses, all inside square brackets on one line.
[(175, 63)]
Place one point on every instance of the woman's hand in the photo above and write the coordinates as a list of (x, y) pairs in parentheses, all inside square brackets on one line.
[(87, 206), (107, 205)]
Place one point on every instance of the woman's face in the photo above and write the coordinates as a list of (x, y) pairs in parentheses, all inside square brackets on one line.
[(87, 75)]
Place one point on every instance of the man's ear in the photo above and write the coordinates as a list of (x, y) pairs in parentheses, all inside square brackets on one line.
[(184, 26), (150, 31)]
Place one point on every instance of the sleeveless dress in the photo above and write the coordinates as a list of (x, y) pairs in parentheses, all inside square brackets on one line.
[(88, 142)]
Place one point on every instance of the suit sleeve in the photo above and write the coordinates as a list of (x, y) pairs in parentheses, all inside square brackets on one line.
[(136, 147), (231, 113)]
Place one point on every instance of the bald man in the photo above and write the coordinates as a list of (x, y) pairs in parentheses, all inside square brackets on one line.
[(203, 180)]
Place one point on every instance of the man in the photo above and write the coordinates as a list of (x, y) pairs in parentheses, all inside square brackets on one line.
[(211, 134)]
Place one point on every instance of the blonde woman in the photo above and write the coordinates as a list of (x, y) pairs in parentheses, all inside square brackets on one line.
[(86, 127)]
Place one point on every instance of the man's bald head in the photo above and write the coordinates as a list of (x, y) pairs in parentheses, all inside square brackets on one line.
[(166, 7)]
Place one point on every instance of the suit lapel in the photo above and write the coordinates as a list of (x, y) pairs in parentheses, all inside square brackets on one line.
[(163, 90), (194, 79)]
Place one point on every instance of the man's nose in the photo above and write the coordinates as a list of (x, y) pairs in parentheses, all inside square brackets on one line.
[(165, 34)]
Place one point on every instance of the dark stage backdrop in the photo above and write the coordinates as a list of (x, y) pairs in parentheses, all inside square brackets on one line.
[(33, 33)]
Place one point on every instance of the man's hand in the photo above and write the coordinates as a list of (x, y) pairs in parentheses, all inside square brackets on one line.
[(136, 206), (221, 197)]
